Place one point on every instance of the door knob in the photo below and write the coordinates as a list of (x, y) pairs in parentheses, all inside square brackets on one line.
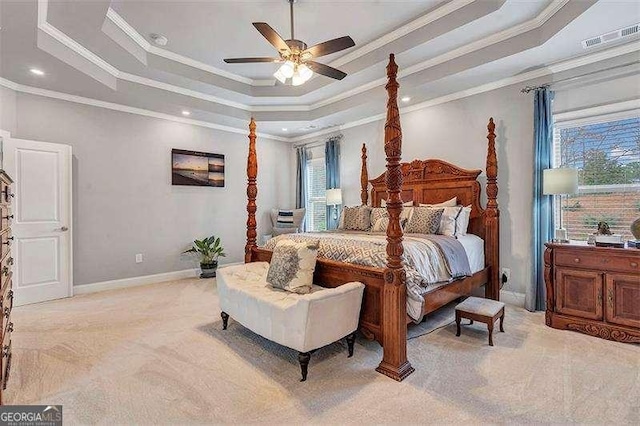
[(64, 229)]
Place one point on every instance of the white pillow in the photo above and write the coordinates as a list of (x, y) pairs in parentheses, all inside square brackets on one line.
[(455, 221), (383, 203), (462, 225), (449, 203)]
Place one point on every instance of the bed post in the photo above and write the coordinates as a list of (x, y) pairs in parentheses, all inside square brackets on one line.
[(394, 301), (252, 192), (364, 177), (492, 217)]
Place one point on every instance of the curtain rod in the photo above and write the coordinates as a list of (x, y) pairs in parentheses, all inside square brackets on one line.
[(318, 143), (528, 89)]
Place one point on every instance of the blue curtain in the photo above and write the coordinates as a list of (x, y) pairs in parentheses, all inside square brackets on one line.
[(332, 163), (542, 204), (301, 179)]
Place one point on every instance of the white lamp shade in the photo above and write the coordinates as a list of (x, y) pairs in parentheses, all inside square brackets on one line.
[(561, 181), (334, 196)]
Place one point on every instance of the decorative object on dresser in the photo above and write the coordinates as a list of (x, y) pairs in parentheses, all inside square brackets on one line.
[(6, 294), (593, 290), (209, 250), (482, 310), (561, 181)]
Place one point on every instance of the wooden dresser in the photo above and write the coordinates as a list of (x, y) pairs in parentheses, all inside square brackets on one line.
[(6, 264), (593, 290)]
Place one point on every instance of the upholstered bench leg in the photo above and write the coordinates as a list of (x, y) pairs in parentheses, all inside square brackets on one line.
[(458, 323), (490, 325), (351, 340), (225, 319), (303, 358), (502, 321)]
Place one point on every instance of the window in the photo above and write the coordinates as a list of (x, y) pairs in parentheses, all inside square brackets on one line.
[(606, 152), (316, 217)]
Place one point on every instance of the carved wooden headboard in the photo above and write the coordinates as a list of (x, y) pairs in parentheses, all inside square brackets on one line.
[(436, 181)]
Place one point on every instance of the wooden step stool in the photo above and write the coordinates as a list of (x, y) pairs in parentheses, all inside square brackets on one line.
[(482, 310)]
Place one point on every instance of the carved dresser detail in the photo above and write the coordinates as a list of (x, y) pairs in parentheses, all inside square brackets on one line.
[(593, 290), (6, 265)]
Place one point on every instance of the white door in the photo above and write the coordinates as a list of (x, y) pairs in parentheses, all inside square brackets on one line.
[(42, 219)]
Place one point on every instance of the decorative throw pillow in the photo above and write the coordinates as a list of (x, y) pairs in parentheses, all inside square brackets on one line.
[(377, 213), (424, 220), (357, 218), (449, 203), (382, 224), (455, 221), (292, 265), (287, 218)]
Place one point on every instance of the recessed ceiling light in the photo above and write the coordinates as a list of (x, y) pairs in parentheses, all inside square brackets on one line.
[(284, 129), (186, 113), (36, 71), (406, 99), (159, 39)]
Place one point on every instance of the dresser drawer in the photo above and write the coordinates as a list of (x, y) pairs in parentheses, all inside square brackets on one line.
[(5, 269), (581, 259), (6, 359), (6, 216), (7, 307), (7, 242), (5, 192)]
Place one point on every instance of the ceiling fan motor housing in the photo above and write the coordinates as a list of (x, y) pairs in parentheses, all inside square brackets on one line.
[(296, 46)]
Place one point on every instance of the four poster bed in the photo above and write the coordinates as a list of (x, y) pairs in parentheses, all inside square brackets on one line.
[(384, 311)]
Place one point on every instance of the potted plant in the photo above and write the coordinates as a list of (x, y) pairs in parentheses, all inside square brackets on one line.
[(209, 250)]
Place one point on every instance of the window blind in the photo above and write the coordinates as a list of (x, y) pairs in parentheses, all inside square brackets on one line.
[(607, 156)]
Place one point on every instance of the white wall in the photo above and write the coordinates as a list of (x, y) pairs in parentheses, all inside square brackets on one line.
[(7, 109), (456, 132), (123, 200)]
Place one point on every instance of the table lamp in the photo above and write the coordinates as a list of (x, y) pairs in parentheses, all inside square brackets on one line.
[(334, 198), (561, 181)]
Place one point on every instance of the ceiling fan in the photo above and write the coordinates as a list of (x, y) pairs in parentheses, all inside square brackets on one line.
[(296, 58)]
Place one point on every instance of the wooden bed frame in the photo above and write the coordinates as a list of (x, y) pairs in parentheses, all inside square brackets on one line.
[(384, 316)]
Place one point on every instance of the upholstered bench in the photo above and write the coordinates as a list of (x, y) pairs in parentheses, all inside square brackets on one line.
[(483, 310), (303, 322)]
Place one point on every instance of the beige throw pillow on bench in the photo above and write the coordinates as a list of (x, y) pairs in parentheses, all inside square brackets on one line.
[(292, 266)]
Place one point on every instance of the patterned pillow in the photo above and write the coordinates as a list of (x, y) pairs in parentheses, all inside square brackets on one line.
[(454, 221), (380, 225), (292, 265), (357, 218), (424, 220), (377, 213)]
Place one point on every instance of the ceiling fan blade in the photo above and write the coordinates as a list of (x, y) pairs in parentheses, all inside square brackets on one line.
[(249, 60), (331, 46), (326, 70), (272, 36)]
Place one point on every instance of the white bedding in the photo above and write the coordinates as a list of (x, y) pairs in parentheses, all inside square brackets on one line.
[(474, 247)]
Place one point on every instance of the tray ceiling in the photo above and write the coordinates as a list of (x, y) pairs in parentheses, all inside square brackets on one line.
[(101, 50)]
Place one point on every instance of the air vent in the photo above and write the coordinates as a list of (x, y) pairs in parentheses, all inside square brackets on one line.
[(612, 36)]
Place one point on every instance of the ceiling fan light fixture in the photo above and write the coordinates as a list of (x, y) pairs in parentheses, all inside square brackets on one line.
[(288, 69), (305, 72), (281, 78), (297, 79)]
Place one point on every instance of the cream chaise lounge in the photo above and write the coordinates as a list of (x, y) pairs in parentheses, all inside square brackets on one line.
[(303, 322)]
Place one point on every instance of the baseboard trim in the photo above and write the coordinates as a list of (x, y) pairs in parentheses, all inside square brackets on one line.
[(138, 281), (512, 298)]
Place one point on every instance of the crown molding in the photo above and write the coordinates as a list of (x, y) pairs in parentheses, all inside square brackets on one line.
[(447, 8), (521, 78), (380, 42), (608, 112), (128, 109), (136, 37)]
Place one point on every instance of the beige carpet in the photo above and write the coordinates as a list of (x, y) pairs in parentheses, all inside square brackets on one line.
[(157, 355)]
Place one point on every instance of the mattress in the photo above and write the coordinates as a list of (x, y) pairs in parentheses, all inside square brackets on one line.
[(474, 247)]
